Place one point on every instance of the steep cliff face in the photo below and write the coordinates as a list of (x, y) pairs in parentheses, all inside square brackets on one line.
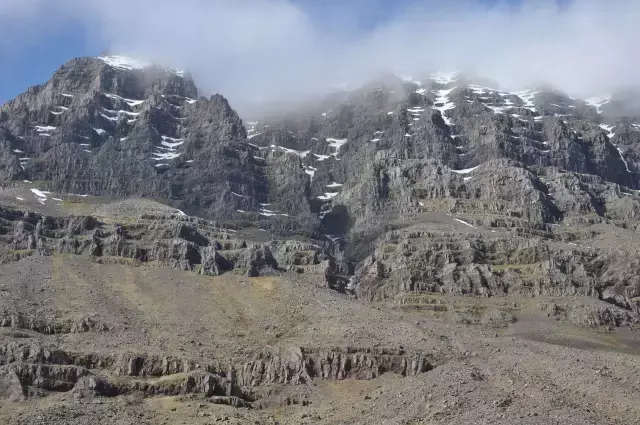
[(393, 160), (113, 127)]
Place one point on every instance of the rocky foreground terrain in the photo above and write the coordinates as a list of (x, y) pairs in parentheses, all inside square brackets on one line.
[(414, 251)]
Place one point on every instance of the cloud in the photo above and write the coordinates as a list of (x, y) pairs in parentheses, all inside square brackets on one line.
[(261, 50)]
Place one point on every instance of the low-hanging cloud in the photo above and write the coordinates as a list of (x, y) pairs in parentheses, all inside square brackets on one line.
[(264, 50)]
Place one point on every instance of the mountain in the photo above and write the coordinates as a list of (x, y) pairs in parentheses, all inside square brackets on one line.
[(154, 244)]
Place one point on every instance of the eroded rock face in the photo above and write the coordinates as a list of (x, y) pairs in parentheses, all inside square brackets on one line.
[(368, 181), (171, 240), (420, 259), (26, 370)]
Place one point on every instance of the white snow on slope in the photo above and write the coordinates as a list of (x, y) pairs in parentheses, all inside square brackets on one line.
[(334, 184), (253, 135), (108, 117), (321, 157), (527, 97), (40, 195), (166, 155), (301, 154), (497, 109), (479, 89), (465, 171), (598, 102), (44, 128), (336, 143), (100, 131), (465, 223), (443, 104), (626, 165), (128, 63), (130, 102), (170, 142), (608, 129), (328, 196), (311, 171), (123, 62)]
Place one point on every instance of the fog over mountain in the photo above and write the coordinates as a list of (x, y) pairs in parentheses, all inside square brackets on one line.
[(264, 49)]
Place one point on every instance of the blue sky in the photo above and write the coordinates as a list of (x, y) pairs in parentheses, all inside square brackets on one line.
[(34, 60)]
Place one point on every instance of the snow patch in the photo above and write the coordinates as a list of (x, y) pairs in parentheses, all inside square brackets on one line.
[(598, 102), (626, 165), (465, 223), (40, 195), (311, 171), (170, 142), (166, 155), (108, 117), (443, 104), (527, 97), (301, 154), (608, 129), (336, 143), (334, 184), (43, 128), (497, 109), (328, 196), (465, 171), (123, 62), (130, 102)]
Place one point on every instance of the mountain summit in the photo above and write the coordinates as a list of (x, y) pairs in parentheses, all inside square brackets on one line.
[(201, 255)]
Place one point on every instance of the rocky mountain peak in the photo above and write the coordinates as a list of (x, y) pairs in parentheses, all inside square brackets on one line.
[(156, 221)]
